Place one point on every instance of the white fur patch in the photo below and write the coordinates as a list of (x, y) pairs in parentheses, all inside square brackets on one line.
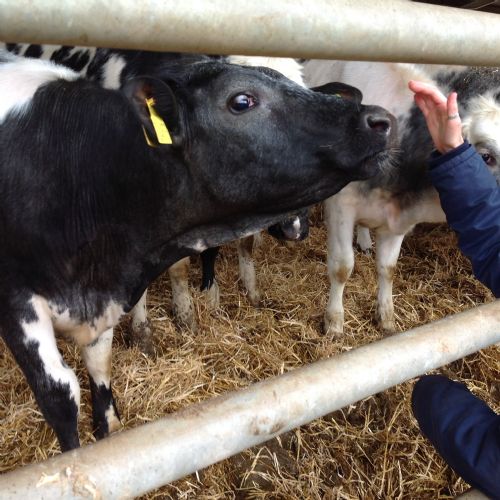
[(42, 333), (199, 246), (21, 77), (378, 210), (112, 71), (296, 227), (97, 357), (139, 312), (113, 423), (85, 333), (482, 121), (286, 66)]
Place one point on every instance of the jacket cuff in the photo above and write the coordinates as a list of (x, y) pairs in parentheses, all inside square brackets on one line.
[(437, 158)]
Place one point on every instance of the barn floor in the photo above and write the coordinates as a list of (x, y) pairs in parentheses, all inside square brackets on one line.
[(371, 450)]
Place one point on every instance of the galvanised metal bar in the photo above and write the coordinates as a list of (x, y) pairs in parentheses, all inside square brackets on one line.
[(378, 30), (471, 495), (136, 461)]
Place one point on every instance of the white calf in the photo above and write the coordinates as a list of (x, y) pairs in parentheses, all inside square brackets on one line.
[(397, 199)]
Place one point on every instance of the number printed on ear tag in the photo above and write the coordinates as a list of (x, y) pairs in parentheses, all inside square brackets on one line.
[(161, 129)]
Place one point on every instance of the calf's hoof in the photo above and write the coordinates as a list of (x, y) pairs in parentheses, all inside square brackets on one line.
[(387, 325), (107, 424), (365, 250), (186, 320), (333, 325), (212, 296), (140, 336), (254, 298)]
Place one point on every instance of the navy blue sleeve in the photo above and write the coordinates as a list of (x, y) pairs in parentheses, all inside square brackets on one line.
[(470, 198)]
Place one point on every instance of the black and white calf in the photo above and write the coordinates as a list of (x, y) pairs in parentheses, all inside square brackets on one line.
[(91, 213), (401, 196), (111, 69)]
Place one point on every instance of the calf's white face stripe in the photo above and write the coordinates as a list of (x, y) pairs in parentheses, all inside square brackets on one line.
[(20, 78), (41, 333)]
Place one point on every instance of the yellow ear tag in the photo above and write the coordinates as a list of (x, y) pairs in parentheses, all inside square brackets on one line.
[(161, 129), (148, 140)]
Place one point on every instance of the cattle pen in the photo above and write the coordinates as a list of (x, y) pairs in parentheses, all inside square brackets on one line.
[(136, 461)]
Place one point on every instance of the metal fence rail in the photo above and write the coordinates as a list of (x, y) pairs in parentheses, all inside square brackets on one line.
[(378, 30), (136, 461)]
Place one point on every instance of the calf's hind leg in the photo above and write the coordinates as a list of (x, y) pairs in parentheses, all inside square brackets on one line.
[(363, 239), (209, 284), (388, 246), (140, 334), (247, 269), (182, 300)]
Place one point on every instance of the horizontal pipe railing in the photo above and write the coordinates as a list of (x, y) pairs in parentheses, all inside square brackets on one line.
[(472, 495), (136, 461), (378, 30)]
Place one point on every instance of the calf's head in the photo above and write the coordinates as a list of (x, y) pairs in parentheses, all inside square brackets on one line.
[(481, 126), (256, 142), (294, 227)]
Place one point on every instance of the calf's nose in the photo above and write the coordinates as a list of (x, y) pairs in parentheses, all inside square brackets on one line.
[(378, 120)]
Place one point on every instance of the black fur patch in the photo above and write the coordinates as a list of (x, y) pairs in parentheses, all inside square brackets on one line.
[(34, 51), (15, 48), (208, 258), (75, 60)]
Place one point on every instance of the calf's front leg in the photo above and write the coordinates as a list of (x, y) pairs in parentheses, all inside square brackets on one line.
[(97, 358), (340, 230), (29, 334)]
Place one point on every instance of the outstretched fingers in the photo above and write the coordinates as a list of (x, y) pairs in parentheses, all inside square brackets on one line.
[(427, 90), (441, 115), (420, 102)]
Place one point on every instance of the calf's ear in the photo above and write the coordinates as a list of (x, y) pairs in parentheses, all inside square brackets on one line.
[(342, 90), (156, 106)]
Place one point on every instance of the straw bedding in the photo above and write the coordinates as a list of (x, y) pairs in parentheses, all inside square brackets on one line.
[(370, 450)]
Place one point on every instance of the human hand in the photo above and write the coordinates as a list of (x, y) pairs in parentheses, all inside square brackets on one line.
[(441, 115)]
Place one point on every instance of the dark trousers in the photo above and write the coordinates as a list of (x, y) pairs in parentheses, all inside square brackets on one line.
[(462, 428)]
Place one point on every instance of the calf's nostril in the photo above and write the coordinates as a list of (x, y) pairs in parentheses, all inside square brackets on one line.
[(379, 123)]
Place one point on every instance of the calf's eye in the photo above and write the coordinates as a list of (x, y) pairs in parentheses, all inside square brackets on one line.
[(489, 159), (241, 103)]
